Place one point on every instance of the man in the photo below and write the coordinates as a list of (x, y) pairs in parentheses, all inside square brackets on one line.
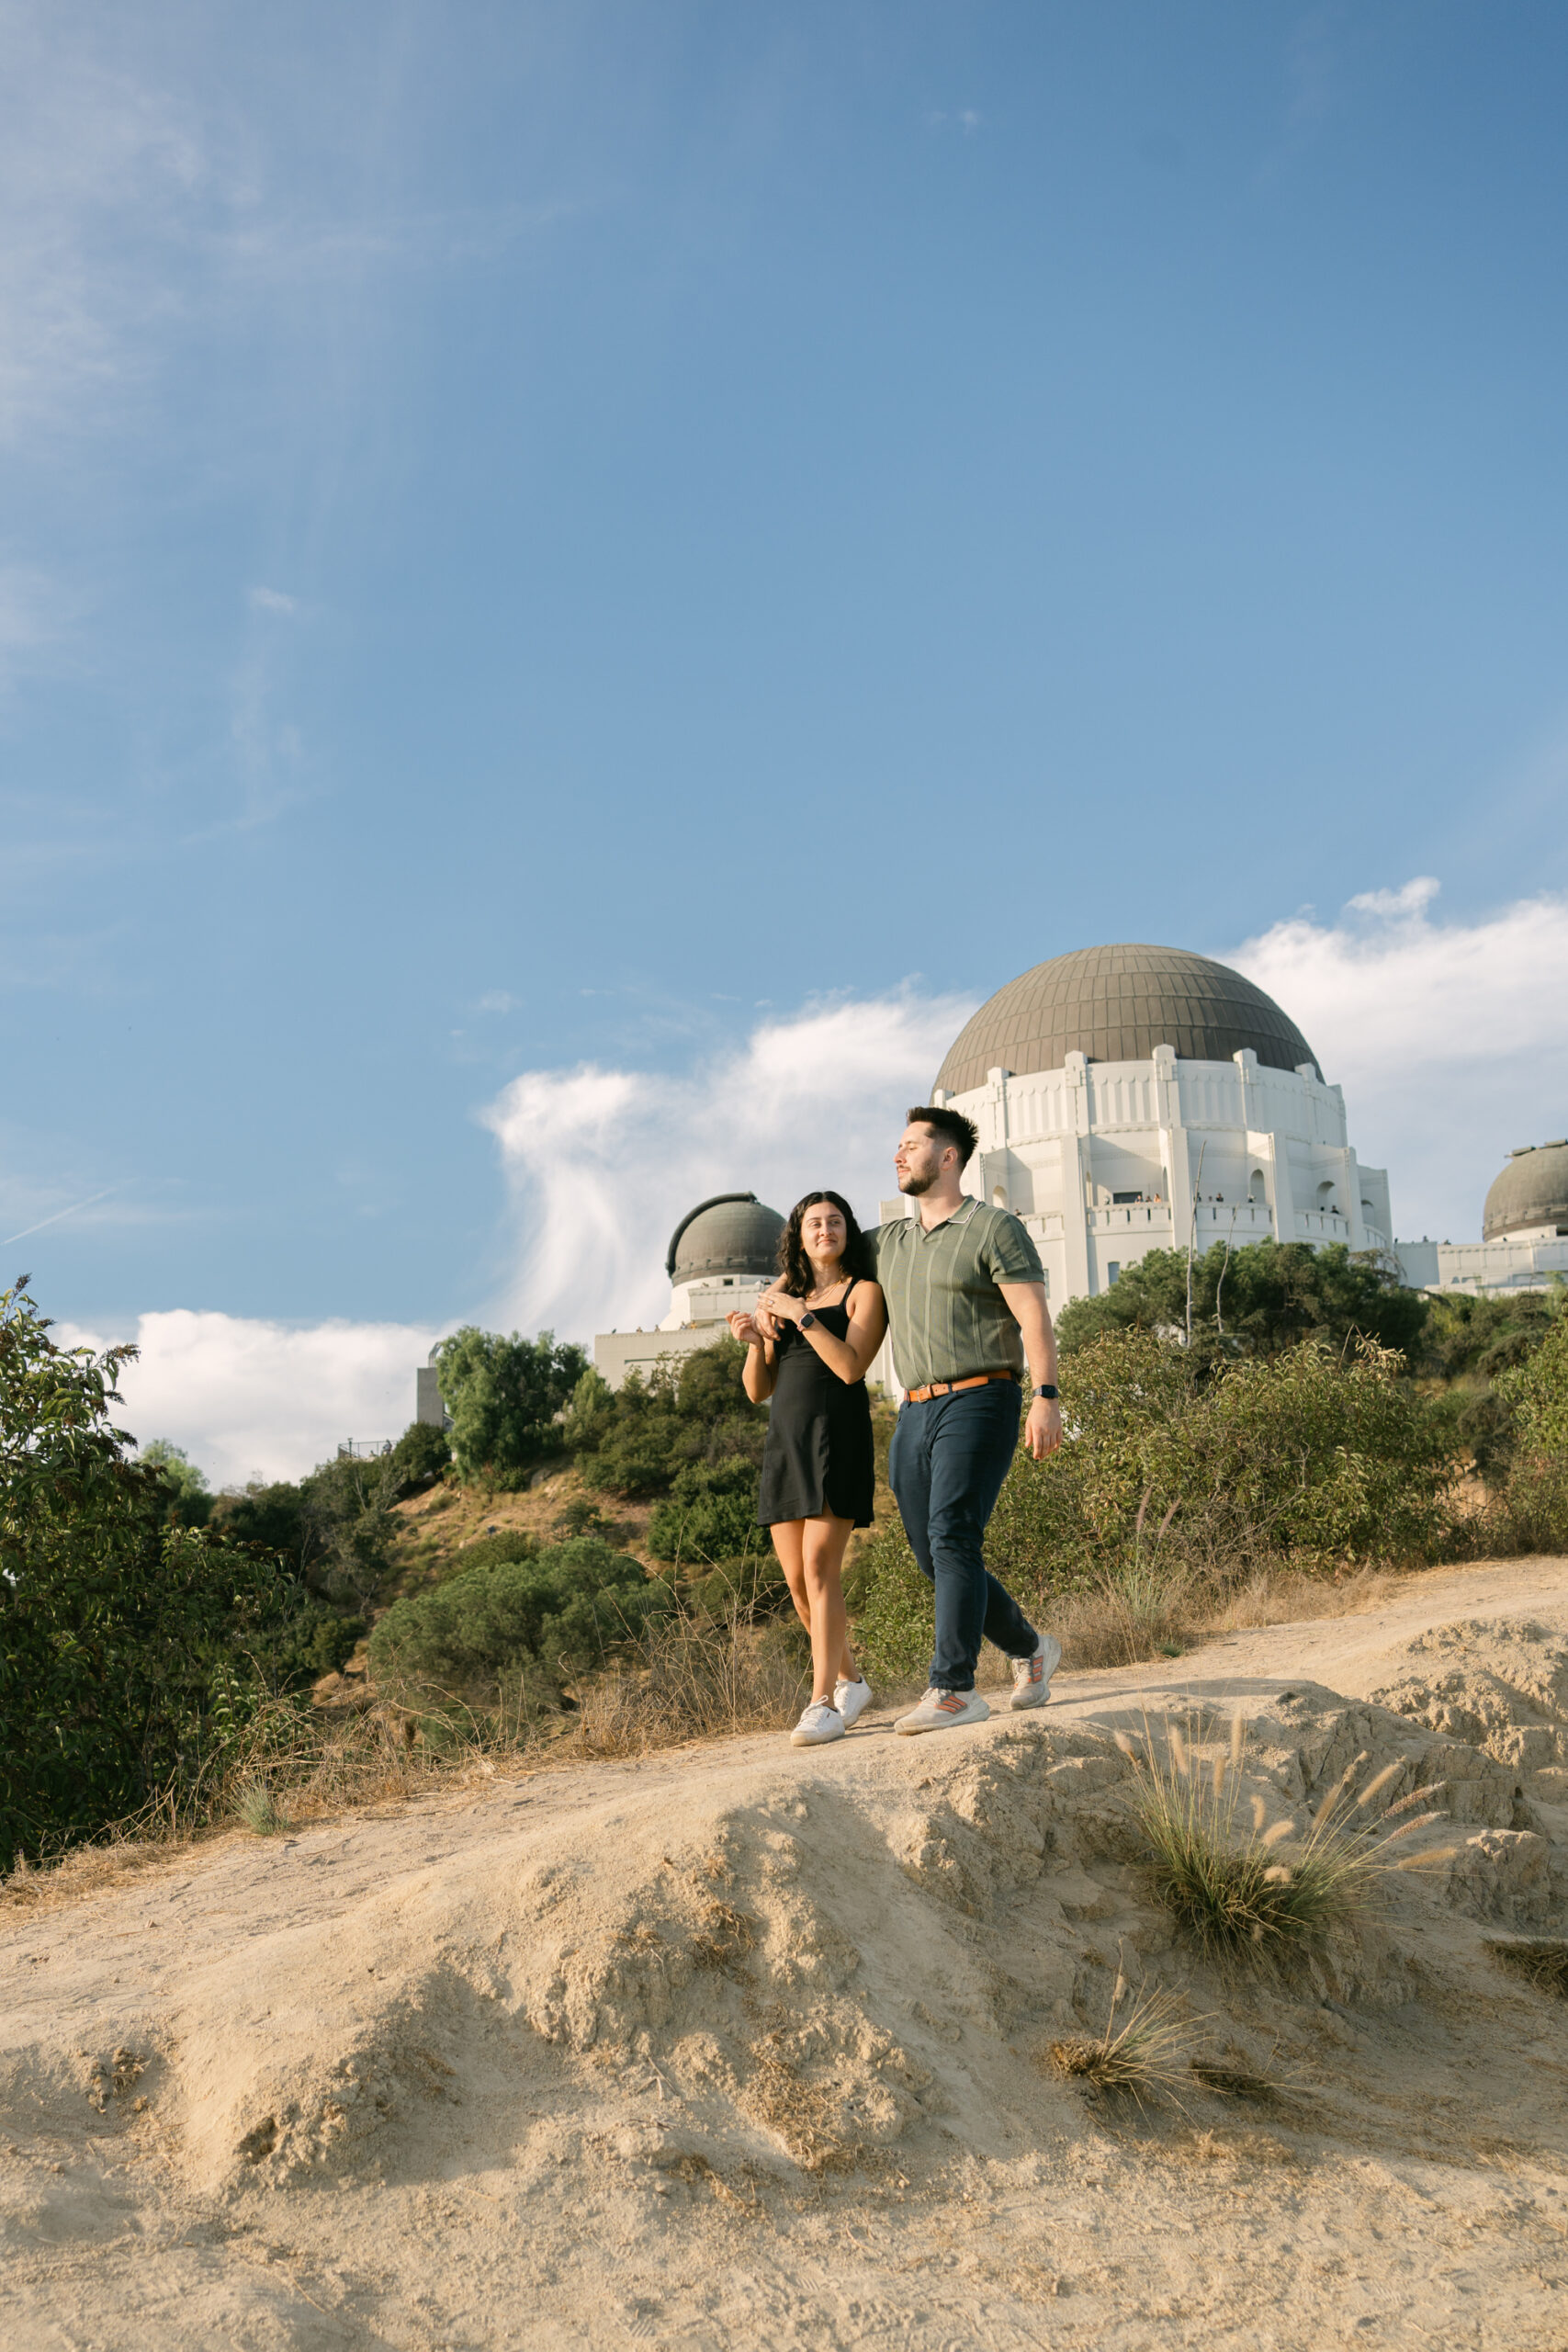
[(965, 1296)]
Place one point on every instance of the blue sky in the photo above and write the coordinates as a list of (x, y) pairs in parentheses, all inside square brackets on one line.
[(546, 533)]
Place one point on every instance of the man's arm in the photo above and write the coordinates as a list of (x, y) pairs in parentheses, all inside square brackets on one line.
[(1026, 1305)]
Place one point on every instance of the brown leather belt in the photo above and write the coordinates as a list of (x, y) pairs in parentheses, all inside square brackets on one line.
[(946, 1387)]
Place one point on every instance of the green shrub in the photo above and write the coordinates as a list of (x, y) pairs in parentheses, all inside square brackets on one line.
[(552, 1614), (1536, 1393), (710, 1514), (1164, 1474), (890, 1606), (693, 1411), (1298, 1456), (493, 1552)]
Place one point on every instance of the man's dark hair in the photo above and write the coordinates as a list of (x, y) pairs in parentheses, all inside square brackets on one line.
[(952, 1126)]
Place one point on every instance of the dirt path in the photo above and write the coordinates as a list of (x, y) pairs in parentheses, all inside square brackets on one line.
[(742, 2045)]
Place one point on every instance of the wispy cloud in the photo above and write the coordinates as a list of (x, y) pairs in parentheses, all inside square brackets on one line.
[(74, 1208), (271, 600), (604, 1162), (1450, 1039)]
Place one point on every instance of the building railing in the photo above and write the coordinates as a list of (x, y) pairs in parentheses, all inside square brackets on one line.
[(364, 1449)]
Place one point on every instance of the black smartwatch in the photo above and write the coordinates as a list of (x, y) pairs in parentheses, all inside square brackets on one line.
[(1045, 1389), (808, 1320)]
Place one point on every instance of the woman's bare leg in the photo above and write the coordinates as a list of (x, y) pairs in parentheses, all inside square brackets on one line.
[(811, 1553), (823, 1545), (787, 1534)]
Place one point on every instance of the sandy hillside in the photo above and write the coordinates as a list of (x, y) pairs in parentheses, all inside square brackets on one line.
[(746, 2046)]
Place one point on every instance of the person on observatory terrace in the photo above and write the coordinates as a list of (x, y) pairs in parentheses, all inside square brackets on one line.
[(965, 1301)]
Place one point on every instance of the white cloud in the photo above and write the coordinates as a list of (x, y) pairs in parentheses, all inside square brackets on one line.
[(244, 1397), (1450, 1039), (271, 600), (604, 1162)]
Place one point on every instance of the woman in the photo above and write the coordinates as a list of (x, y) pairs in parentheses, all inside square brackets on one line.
[(818, 1465)]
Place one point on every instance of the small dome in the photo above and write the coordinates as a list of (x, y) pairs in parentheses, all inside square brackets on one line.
[(1116, 1004), (735, 1233), (1532, 1190)]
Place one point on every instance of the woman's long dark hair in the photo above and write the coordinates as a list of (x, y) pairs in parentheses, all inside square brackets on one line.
[(794, 1266)]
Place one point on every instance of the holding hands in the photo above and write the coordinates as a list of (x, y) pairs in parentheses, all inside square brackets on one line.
[(776, 1306)]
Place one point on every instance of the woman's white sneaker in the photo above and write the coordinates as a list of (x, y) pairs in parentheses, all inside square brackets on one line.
[(852, 1698), (820, 1722), (1032, 1676), (944, 1711)]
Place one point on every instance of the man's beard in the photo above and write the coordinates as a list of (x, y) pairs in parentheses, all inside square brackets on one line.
[(918, 1184)]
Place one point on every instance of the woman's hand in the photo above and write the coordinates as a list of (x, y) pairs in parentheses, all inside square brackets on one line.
[(745, 1329), (781, 1305)]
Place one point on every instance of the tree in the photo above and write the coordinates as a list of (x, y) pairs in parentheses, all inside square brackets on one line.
[(131, 1649), (504, 1396), (191, 1503), (1274, 1296)]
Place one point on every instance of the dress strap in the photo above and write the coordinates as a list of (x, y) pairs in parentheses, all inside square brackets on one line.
[(845, 1300)]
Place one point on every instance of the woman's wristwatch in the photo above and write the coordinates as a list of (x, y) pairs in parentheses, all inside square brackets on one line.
[(807, 1320)]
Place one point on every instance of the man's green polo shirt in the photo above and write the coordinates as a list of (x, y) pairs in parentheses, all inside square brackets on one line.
[(948, 1317)]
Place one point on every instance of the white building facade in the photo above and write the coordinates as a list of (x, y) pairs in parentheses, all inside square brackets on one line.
[(1104, 1160)]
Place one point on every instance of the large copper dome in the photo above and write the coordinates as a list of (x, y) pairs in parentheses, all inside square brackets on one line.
[(1116, 1004)]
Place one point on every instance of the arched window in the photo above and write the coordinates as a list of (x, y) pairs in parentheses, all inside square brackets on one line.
[(998, 1196)]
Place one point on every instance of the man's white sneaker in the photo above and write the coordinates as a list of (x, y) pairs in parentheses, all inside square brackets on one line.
[(944, 1711), (820, 1722), (1032, 1676), (852, 1698)]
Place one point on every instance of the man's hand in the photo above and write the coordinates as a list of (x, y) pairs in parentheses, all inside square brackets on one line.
[(1042, 1429)]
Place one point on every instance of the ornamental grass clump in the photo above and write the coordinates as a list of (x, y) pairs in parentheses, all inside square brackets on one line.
[(1150, 2050), (1247, 1889)]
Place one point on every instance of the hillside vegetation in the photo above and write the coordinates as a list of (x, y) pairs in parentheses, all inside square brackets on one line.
[(162, 1644)]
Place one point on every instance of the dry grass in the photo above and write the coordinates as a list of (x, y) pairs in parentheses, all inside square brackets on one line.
[(1250, 1891), (1149, 1609), (1285, 1597), (1541, 1960), (1136, 1614), (697, 1680), (260, 1811), (296, 1764), (1151, 2050)]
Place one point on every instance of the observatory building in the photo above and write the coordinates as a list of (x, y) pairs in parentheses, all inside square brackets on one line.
[(1135, 1098), (1523, 1232), (720, 1255), (1128, 1099)]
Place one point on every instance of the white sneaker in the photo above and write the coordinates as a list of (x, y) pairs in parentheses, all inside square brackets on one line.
[(1032, 1676), (944, 1711), (820, 1722), (852, 1698)]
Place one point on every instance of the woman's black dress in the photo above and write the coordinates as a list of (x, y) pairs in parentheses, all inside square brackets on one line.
[(819, 1459)]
